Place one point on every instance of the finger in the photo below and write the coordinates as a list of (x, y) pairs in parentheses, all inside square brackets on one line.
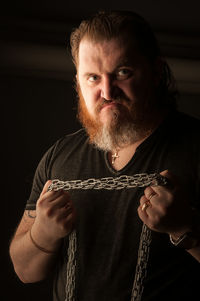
[(170, 186), (56, 207), (166, 173), (71, 217), (49, 196), (148, 214), (172, 179), (67, 216), (149, 192), (143, 215), (65, 212), (61, 201), (143, 199), (45, 188), (144, 203)]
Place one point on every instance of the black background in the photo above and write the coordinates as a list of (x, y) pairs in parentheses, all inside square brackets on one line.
[(38, 101)]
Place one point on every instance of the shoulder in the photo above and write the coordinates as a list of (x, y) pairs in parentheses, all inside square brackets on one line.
[(186, 119), (75, 137), (182, 124), (185, 132), (67, 145), (63, 146), (71, 141)]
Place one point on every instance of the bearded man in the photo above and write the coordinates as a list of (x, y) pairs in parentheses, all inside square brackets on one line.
[(122, 220)]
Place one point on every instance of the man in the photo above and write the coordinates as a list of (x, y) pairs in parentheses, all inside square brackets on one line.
[(105, 239)]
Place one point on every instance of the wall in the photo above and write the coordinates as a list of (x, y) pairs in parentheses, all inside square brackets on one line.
[(38, 105), (36, 113)]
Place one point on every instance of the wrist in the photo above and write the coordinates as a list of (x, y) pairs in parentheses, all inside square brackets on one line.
[(188, 240), (189, 237), (42, 245)]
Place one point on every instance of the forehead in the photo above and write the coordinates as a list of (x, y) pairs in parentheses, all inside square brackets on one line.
[(106, 53)]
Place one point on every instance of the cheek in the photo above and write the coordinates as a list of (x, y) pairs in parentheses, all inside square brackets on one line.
[(90, 97), (90, 94), (129, 89), (141, 89)]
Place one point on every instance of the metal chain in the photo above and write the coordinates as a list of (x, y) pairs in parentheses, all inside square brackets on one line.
[(71, 267), (141, 268), (110, 183)]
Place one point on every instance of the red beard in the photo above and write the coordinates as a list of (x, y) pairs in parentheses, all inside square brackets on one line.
[(126, 115)]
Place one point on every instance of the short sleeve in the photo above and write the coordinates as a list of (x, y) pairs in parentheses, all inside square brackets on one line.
[(42, 175)]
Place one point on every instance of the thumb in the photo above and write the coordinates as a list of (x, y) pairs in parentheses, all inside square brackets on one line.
[(172, 179), (165, 173), (45, 188)]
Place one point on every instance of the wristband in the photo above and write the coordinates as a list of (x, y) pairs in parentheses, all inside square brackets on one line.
[(190, 239), (186, 241), (39, 247)]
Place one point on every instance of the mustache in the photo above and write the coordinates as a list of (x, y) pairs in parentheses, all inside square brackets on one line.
[(118, 100)]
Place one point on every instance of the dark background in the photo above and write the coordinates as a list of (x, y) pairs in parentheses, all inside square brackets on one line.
[(38, 102)]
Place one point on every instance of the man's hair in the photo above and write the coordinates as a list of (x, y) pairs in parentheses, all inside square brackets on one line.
[(115, 24)]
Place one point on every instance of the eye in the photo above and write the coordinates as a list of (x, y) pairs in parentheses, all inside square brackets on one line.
[(93, 78), (124, 73)]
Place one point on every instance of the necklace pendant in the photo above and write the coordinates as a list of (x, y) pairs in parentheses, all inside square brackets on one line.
[(114, 157)]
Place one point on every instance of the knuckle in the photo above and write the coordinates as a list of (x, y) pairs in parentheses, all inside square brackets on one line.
[(142, 199), (49, 212), (40, 201), (163, 211), (154, 222), (66, 226)]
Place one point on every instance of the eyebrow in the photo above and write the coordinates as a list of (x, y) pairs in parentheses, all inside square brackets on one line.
[(86, 74), (122, 62)]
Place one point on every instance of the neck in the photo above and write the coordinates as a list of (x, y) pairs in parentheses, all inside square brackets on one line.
[(114, 156), (119, 157)]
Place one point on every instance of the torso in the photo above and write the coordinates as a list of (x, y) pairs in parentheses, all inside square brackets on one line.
[(108, 227)]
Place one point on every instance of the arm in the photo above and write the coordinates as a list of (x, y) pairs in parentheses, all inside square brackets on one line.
[(169, 212), (52, 220), (29, 262)]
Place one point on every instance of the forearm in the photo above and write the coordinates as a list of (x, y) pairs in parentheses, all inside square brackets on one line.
[(189, 238), (34, 256), (195, 252), (30, 263), (190, 244)]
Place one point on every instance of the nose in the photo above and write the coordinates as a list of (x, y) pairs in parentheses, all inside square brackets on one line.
[(108, 88)]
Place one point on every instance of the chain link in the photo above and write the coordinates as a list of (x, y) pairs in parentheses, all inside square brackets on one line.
[(141, 268), (71, 266), (110, 183)]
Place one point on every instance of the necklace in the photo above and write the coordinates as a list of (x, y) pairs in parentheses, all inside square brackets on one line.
[(114, 157)]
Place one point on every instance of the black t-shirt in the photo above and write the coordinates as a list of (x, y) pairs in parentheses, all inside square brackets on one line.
[(108, 227)]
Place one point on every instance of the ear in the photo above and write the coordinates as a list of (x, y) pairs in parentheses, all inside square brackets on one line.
[(158, 69)]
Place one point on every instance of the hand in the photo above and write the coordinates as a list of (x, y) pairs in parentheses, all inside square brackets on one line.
[(165, 208), (55, 217)]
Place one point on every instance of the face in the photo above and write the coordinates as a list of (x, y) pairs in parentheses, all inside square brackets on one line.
[(116, 85)]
